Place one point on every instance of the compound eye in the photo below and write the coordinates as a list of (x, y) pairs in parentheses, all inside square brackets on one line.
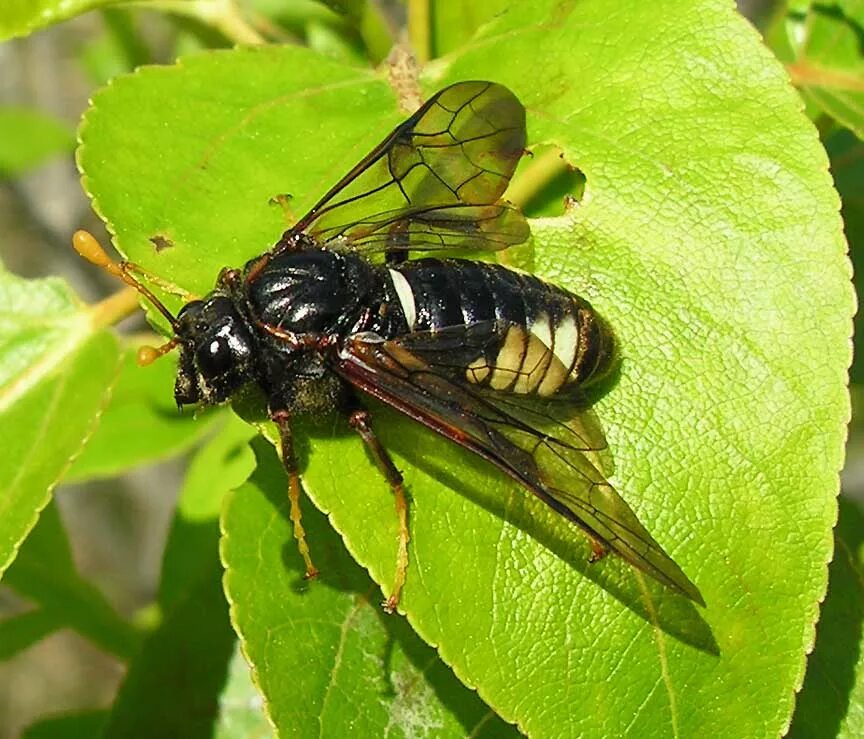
[(214, 358)]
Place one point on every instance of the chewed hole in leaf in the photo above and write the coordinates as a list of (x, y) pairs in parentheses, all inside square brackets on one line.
[(546, 183), (161, 242)]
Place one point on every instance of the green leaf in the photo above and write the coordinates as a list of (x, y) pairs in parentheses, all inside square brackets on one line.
[(453, 24), (56, 371), (709, 238), (21, 17), (141, 425), (28, 138), (173, 685), (327, 659), (45, 573), (828, 62)]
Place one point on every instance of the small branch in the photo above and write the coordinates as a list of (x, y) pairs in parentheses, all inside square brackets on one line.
[(233, 25), (540, 172), (419, 31), (223, 15), (116, 307), (804, 74)]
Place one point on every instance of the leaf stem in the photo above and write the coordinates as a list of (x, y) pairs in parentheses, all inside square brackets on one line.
[(115, 308), (419, 30), (544, 168)]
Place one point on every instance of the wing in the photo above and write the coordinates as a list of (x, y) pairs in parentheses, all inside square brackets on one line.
[(434, 182), (531, 442)]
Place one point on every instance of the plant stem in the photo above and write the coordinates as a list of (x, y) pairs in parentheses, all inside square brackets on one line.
[(116, 307), (419, 30), (544, 168)]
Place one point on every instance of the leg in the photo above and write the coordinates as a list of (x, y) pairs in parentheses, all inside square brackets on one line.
[(359, 421), (598, 550), (283, 200), (283, 420)]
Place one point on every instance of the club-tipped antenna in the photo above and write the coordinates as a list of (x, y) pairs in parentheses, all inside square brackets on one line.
[(149, 354), (88, 246)]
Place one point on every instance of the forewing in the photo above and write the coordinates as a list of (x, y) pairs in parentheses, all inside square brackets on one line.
[(534, 444), (434, 182)]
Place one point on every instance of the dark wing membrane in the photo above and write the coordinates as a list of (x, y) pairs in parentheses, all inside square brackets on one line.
[(538, 448), (566, 418), (434, 182), (489, 227)]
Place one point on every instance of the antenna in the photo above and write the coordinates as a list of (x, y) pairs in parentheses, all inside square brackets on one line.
[(88, 246)]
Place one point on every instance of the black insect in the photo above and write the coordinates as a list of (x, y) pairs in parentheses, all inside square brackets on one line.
[(492, 359)]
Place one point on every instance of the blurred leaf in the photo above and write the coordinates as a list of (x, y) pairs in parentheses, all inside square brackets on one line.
[(21, 17), (827, 41), (141, 425), (45, 573), (28, 138), (67, 726), (335, 41), (23, 630), (220, 465), (173, 685), (241, 709), (370, 23), (327, 659), (454, 23), (831, 703), (118, 49), (339, 33), (56, 371), (708, 230)]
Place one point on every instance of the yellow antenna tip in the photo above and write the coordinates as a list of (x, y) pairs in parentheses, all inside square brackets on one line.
[(147, 355), (89, 247)]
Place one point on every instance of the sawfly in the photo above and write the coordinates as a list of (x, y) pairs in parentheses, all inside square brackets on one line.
[(338, 311)]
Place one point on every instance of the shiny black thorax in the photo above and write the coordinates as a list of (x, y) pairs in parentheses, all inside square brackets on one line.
[(277, 324)]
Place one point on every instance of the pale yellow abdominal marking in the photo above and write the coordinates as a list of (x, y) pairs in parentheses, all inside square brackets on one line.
[(542, 360), (509, 358)]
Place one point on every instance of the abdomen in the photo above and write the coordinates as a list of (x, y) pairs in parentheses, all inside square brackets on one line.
[(518, 333)]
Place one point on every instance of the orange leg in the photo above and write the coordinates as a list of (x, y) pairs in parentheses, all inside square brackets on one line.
[(598, 550), (283, 421), (359, 421)]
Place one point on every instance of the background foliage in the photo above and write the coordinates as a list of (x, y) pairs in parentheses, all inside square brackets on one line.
[(707, 234)]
